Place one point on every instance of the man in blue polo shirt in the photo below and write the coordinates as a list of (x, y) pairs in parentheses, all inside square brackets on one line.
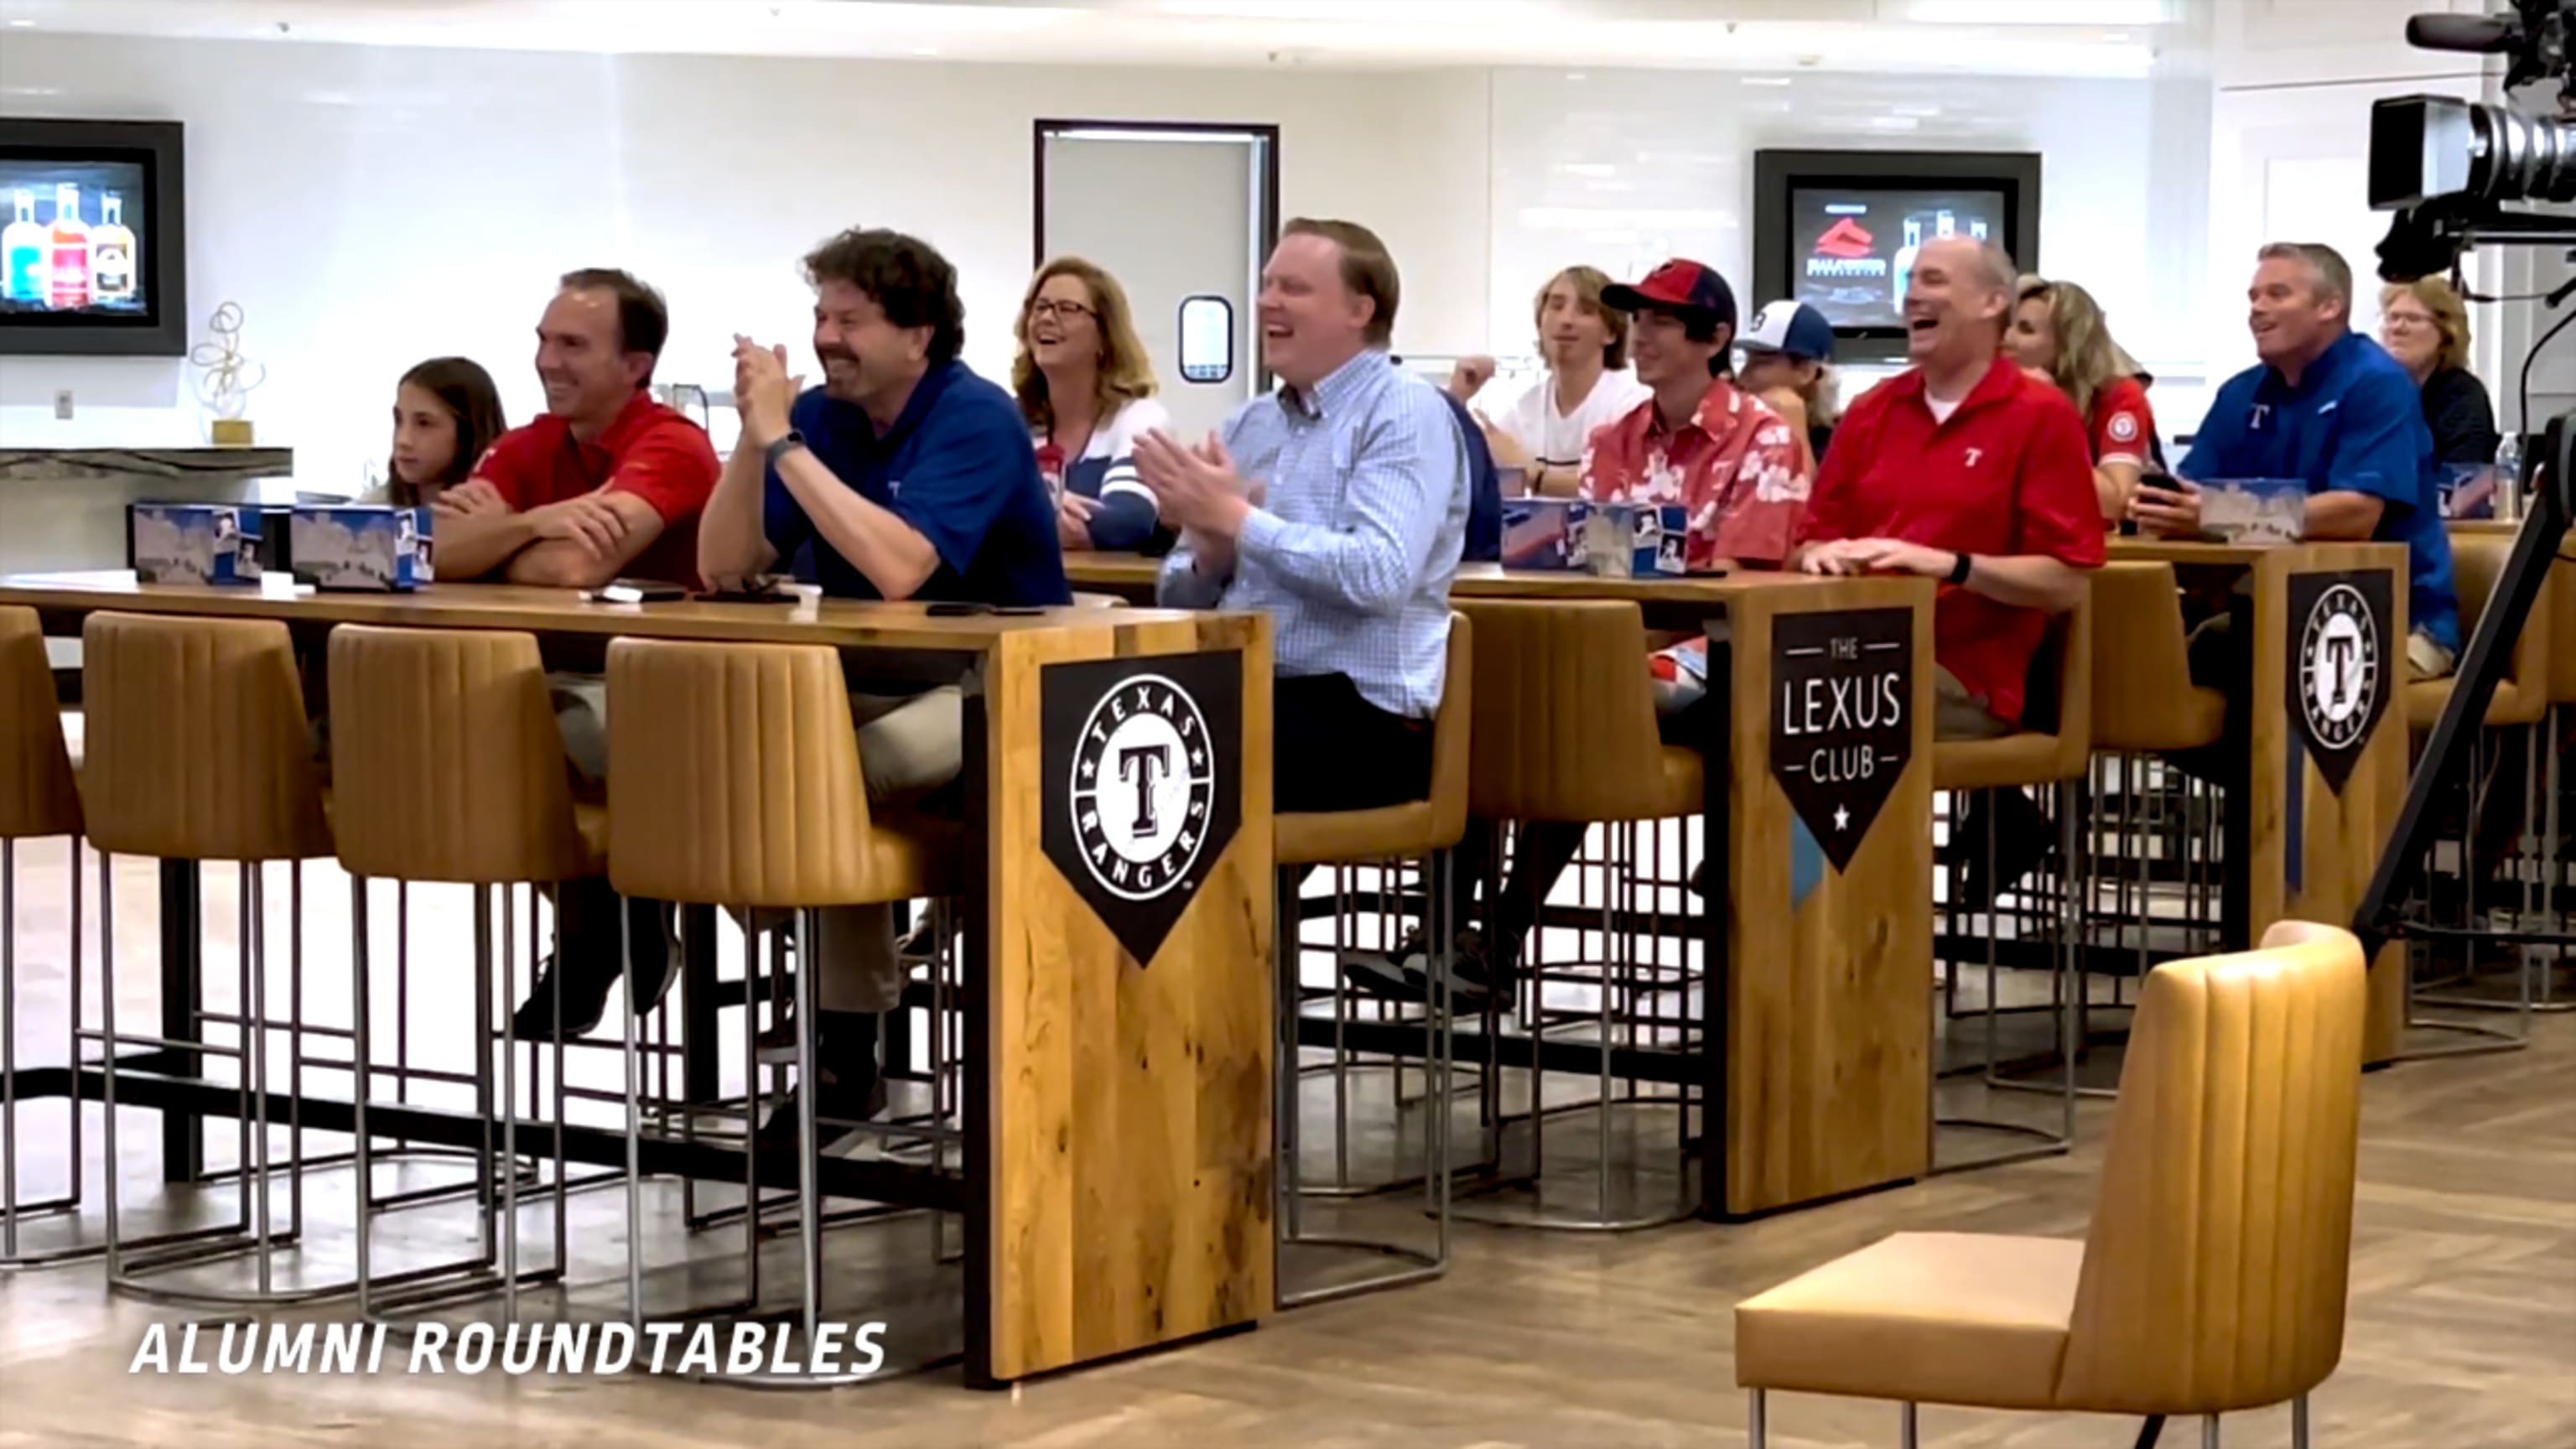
[(904, 476), (2327, 406)]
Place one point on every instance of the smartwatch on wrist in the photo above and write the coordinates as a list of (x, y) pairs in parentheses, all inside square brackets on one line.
[(786, 443), (1959, 568)]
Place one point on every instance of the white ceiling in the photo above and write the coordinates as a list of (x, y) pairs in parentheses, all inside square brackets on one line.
[(2028, 37)]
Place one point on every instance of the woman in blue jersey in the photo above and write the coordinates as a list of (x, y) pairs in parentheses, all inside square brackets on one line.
[(1087, 389)]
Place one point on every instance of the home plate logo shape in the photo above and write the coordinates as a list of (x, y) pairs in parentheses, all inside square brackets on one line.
[(1846, 238), (1142, 790)]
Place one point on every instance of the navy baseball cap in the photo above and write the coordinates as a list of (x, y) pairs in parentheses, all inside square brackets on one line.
[(1680, 285), (1791, 327)]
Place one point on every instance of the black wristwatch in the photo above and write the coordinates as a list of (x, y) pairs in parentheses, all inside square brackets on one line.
[(785, 443), (1959, 568)]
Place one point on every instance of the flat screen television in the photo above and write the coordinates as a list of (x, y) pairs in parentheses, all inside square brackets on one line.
[(93, 237), (1839, 230)]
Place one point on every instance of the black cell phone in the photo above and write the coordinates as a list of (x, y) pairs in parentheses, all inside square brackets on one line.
[(957, 609)]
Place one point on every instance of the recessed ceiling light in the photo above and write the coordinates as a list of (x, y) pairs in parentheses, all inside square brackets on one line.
[(1762, 80), (22, 25)]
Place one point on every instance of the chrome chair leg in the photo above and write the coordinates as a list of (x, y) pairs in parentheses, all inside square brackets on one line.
[(2299, 1422), (2209, 1432), (1757, 1429), (1909, 1431)]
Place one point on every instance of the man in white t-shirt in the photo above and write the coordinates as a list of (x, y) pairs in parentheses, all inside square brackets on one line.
[(1586, 385)]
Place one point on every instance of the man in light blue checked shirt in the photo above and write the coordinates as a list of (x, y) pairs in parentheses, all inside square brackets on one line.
[(1339, 504)]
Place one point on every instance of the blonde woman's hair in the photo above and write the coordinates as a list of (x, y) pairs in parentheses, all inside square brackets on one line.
[(1588, 282), (2087, 358), (2450, 316), (1126, 372)]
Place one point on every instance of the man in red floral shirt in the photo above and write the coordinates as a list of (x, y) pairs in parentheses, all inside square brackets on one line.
[(1728, 459), (1700, 441)]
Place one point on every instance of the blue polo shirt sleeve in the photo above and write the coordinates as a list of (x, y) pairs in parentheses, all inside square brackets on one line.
[(2382, 447), (781, 516), (962, 469)]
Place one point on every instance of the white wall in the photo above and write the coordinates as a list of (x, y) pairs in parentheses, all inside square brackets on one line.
[(2290, 144), (1622, 169), (370, 207)]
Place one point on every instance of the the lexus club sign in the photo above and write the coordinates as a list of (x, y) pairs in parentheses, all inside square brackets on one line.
[(1842, 688)]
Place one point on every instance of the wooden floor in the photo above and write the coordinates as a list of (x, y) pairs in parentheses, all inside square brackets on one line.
[(2462, 1331)]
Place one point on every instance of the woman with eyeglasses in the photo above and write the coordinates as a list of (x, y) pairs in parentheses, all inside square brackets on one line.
[(2060, 336), (2425, 326), (1087, 389)]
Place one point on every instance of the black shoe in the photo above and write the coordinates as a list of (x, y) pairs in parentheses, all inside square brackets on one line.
[(841, 1098), (654, 965), (2024, 837)]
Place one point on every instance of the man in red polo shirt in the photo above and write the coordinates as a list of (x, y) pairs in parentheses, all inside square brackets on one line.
[(608, 481), (1967, 470)]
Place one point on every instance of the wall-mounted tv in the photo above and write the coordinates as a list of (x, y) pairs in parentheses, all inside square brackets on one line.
[(93, 237), (1839, 229)]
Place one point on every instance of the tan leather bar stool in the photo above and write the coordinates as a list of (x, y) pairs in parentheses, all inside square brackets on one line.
[(197, 749), (2144, 705), (1425, 830), (2521, 701), (2053, 752), (1565, 732), (2208, 1291), (733, 780), (39, 798), (447, 766)]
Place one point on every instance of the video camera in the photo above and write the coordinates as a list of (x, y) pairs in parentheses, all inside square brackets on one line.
[(2447, 166)]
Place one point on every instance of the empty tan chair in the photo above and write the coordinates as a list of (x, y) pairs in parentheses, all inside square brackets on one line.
[(1426, 830), (733, 780), (39, 798), (2052, 751), (1565, 732), (2213, 1277), (2143, 697), (447, 766), (197, 749)]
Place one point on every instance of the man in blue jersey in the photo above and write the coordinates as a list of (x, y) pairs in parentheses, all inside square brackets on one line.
[(2326, 406), (904, 476)]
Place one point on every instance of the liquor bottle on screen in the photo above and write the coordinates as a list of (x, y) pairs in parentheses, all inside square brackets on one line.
[(111, 252), (1943, 224), (24, 245), (1904, 267), (71, 250), (1977, 228)]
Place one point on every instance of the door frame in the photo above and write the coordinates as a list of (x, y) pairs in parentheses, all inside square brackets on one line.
[(1265, 226)]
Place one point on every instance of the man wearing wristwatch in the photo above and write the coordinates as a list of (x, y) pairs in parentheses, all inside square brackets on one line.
[(1964, 469), (904, 476)]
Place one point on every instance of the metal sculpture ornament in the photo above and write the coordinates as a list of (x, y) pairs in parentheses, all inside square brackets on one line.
[(225, 377)]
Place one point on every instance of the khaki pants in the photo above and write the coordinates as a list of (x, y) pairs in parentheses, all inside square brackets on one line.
[(909, 745), (1959, 715)]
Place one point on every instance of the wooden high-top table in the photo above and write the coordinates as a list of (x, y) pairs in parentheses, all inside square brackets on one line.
[(1118, 1175), (2325, 776), (1819, 958)]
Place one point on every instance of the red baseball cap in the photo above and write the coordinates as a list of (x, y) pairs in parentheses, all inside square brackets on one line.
[(1679, 285)]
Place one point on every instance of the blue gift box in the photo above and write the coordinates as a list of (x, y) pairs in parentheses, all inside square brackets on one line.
[(193, 543), (371, 548)]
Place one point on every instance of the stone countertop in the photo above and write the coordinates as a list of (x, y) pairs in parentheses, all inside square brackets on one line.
[(210, 465)]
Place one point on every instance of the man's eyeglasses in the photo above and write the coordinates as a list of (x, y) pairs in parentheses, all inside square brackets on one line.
[(1049, 309)]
